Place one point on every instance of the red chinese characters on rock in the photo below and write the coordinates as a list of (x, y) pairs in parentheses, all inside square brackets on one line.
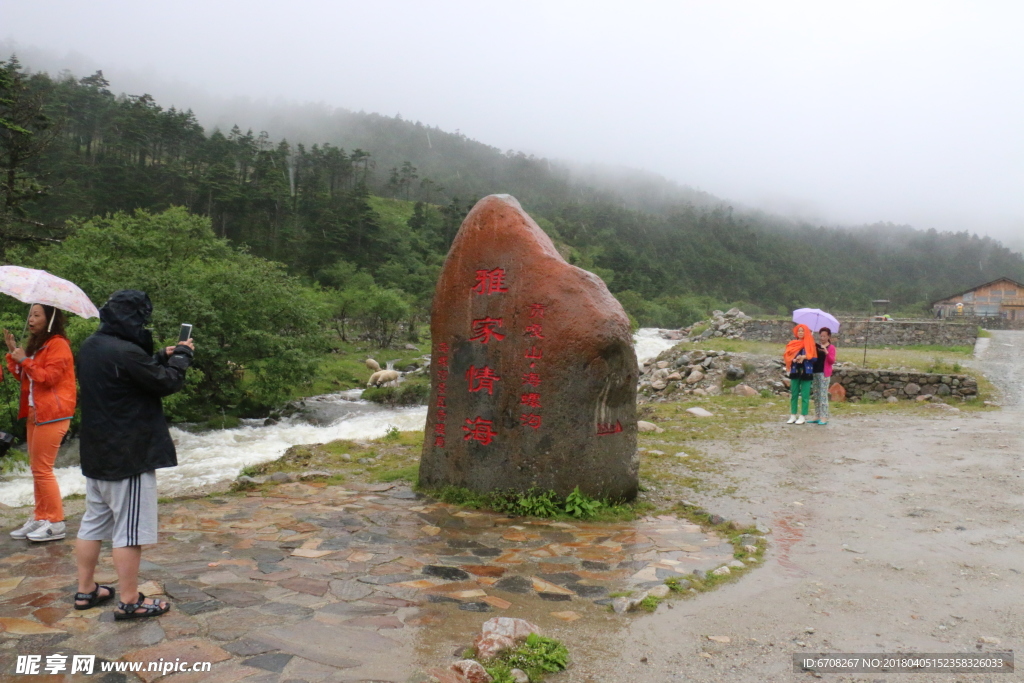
[(442, 376), (484, 330), (607, 428), (532, 399), (481, 379), (479, 429), (530, 420), (490, 282)]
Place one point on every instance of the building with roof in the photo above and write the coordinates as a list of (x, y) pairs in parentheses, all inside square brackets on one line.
[(1003, 298)]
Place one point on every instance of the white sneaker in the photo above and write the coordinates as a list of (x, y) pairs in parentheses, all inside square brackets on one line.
[(800, 420), (49, 531), (27, 528), (791, 420)]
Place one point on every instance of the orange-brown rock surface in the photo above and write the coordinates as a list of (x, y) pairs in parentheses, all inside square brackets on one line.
[(533, 370)]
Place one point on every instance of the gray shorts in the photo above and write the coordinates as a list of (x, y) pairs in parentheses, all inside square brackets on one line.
[(122, 511)]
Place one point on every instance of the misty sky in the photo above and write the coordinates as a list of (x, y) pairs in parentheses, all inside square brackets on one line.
[(909, 112)]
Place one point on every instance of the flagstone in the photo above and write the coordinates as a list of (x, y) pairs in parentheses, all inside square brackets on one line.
[(567, 615), (419, 585), (486, 570), (303, 585), (50, 615), (467, 595), (495, 601), (311, 554), (224, 576), (377, 622), (194, 650), (542, 586), (9, 584), (25, 627)]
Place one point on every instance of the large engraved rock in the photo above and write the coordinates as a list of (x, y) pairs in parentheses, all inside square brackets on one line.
[(534, 372)]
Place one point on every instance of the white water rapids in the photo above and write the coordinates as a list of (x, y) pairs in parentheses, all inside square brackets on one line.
[(209, 457)]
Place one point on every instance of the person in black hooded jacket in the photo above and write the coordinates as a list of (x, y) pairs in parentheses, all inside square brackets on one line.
[(124, 439)]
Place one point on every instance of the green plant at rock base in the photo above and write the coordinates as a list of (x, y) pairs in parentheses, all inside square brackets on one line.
[(538, 656), (581, 506), (538, 503), (392, 433)]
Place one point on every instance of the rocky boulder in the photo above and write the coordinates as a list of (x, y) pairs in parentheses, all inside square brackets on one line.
[(533, 368)]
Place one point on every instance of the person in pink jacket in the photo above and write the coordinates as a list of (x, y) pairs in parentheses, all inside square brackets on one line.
[(822, 376)]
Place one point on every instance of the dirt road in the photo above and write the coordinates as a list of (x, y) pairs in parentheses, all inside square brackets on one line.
[(888, 534)]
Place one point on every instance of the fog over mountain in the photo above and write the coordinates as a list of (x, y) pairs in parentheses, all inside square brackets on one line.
[(905, 113)]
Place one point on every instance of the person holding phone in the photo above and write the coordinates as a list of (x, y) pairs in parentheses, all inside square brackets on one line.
[(46, 369), (124, 440)]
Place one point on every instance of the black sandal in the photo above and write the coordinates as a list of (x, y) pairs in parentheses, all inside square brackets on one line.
[(94, 598), (129, 611)]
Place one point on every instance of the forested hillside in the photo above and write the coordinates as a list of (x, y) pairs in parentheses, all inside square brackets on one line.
[(72, 149)]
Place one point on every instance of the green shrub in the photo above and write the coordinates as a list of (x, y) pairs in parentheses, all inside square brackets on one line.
[(538, 656)]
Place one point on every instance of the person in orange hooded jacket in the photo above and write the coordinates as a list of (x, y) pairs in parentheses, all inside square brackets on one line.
[(46, 369), (799, 359)]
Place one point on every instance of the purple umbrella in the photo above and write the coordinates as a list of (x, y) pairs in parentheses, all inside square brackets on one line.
[(815, 318)]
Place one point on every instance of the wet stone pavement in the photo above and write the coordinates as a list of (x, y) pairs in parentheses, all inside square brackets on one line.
[(309, 582)]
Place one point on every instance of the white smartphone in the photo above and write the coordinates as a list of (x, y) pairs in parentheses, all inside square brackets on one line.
[(185, 333)]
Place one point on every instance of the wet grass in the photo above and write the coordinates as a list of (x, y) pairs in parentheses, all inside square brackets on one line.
[(393, 457)]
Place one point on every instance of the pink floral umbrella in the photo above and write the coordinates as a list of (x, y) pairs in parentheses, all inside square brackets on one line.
[(39, 287)]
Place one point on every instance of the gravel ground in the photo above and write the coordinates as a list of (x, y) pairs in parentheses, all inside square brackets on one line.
[(890, 533)]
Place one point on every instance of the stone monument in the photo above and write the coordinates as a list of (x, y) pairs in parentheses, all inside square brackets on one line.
[(533, 370)]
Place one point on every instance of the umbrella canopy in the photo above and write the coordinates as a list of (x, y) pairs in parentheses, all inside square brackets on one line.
[(39, 287), (815, 318)]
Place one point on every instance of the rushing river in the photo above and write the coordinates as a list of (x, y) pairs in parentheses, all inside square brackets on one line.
[(210, 457)]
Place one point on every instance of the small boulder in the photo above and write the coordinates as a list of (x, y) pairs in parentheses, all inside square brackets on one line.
[(489, 646), (695, 377), (662, 364), (837, 393), (735, 372), (473, 671), (643, 426), (519, 676), (744, 390), (659, 384), (912, 389), (699, 412), (674, 377), (660, 592), (722, 571), (892, 399)]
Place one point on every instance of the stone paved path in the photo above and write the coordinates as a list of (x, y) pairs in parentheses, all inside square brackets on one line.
[(309, 582)]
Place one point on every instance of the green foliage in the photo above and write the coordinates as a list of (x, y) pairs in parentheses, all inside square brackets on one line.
[(538, 656), (581, 506), (392, 433), (408, 393), (533, 503), (255, 328), (83, 151)]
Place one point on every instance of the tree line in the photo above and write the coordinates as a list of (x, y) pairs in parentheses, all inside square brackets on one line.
[(71, 148)]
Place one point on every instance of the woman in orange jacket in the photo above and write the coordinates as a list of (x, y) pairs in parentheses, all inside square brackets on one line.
[(46, 369)]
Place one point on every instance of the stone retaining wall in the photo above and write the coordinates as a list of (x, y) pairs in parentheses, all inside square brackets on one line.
[(990, 322), (878, 333), (880, 384)]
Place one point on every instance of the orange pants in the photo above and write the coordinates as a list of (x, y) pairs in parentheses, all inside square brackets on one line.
[(43, 443)]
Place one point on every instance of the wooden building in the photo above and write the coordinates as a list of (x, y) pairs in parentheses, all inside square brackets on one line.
[(1002, 298)]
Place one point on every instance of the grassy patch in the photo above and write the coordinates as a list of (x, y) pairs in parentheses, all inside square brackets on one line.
[(345, 366), (543, 504), (538, 656), (393, 457), (983, 333), (411, 392)]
